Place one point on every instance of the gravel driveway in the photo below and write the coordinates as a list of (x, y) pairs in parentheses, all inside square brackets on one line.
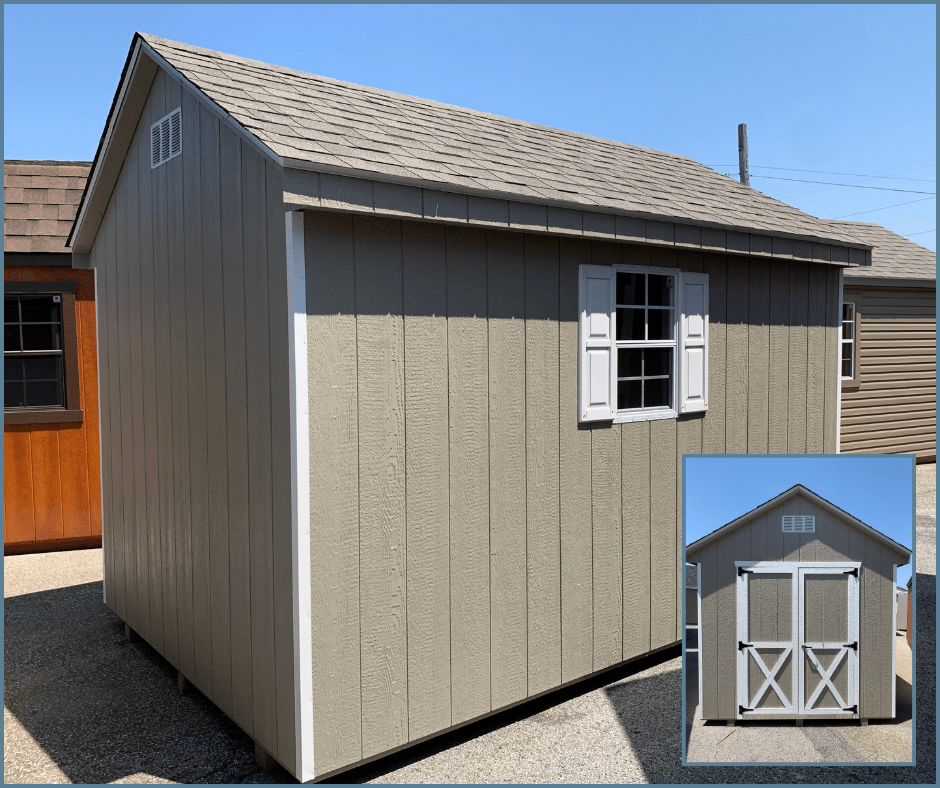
[(83, 705)]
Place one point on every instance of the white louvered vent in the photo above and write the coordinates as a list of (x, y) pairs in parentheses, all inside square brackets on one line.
[(799, 524), (166, 139)]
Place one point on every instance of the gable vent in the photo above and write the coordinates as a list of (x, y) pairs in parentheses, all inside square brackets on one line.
[(166, 139), (799, 524)]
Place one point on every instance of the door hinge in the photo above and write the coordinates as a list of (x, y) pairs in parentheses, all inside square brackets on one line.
[(742, 646), (741, 710), (853, 572), (853, 646), (743, 571), (853, 709)]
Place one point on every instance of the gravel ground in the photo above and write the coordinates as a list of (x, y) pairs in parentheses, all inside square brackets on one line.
[(83, 705)]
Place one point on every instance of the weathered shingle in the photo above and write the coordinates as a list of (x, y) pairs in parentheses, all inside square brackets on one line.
[(39, 203), (399, 136), (892, 256)]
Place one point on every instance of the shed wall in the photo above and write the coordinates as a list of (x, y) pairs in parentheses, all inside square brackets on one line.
[(473, 544), (193, 359), (893, 410), (762, 539), (51, 483)]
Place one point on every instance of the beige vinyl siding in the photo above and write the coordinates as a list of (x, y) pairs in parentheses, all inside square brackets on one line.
[(454, 492), (762, 539), (893, 410), (193, 350)]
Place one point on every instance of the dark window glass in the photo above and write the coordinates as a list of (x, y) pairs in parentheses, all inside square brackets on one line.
[(657, 361), (11, 338), (629, 394), (42, 367), (847, 368), (631, 288), (659, 293), (656, 393), (630, 324), (660, 324), (33, 359), (847, 312), (847, 330), (629, 363), (13, 395), (11, 310), (45, 393), (40, 309), (46, 336)]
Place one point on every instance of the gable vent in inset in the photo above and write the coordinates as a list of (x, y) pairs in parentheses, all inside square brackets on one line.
[(166, 139), (799, 524)]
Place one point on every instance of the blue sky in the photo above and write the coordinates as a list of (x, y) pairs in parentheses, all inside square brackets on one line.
[(829, 93), (876, 489)]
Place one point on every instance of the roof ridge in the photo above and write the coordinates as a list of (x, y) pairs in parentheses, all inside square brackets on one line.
[(44, 161)]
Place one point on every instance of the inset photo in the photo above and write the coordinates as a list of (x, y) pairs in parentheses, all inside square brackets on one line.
[(796, 609)]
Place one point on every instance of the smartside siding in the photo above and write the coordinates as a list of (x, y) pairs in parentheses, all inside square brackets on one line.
[(894, 408), (762, 539), (193, 353), (471, 539)]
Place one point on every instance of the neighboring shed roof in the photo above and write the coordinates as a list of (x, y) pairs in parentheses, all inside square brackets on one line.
[(796, 489), (40, 199), (314, 122), (893, 256)]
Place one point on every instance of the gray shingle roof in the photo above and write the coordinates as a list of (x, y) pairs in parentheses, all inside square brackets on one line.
[(318, 121), (39, 203), (893, 256)]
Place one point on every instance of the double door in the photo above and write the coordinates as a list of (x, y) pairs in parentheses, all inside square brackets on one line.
[(797, 638)]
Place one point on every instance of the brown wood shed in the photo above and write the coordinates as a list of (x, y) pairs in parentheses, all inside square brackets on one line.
[(889, 348), (392, 426), (798, 613)]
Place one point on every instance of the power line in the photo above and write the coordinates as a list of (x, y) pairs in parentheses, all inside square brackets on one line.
[(829, 183), (897, 205), (911, 235), (827, 172)]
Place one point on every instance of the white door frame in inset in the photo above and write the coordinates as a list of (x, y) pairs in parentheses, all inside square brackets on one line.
[(795, 705)]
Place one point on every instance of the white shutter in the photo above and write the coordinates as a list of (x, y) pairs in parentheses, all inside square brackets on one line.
[(693, 344), (597, 377)]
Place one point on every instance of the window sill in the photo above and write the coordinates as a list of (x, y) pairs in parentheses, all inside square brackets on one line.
[(56, 416), (654, 415)]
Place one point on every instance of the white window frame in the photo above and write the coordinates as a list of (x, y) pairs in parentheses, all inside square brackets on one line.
[(648, 414), (851, 342)]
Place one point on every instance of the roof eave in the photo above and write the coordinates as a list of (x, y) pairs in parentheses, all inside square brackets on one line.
[(888, 281), (797, 489)]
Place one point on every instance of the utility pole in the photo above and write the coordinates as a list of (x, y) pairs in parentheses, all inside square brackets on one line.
[(742, 154)]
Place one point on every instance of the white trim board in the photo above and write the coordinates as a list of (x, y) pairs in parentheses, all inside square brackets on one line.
[(701, 687), (300, 494)]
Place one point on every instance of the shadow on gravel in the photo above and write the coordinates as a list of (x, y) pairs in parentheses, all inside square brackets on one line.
[(104, 709)]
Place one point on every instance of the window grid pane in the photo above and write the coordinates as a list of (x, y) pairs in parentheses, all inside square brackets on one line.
[(34, 368)]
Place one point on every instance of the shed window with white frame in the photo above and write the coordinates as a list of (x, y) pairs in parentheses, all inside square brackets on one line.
[(644, 343)]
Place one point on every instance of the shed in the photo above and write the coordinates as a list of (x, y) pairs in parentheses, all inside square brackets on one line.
[(910, 610), (396, 393), (691, 596), (901, 603), (889, 348), (51, 483), (798, 613)]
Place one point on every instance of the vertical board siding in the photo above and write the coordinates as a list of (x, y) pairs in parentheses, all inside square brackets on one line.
[(797, 403), (427, 470), (69, 480), (507, 471), (736, 371), (637, 538), (469, 473), (543, 534), (334, 489), (713, 423), (191, 275), (816, 361), (758, 358), (779, 354), (379, 329)]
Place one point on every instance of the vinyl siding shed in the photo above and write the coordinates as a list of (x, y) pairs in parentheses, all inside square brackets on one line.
[(889, 396), (796, 622), (373, 473)]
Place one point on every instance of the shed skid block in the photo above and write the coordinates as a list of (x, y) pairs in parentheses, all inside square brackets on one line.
[(863, 722), (129, 634), (264, 759), (729, 723), (181, 683), (799, 723)]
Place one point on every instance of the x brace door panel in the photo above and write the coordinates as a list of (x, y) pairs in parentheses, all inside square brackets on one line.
[(797, 623)]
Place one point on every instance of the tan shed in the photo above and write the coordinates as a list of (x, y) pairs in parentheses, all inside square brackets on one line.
[(395, 394), (798, 614), (889, 348)]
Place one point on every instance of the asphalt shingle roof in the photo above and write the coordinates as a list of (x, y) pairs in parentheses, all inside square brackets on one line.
[(39, 203), (320, 121), (892, 256)]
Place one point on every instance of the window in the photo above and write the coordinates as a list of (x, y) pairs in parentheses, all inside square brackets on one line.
[(643, 334), (849, 344), (40, 353)]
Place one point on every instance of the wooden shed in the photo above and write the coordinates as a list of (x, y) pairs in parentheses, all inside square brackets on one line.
[(51, 484), (889, 348), (395, 393), (798, 611)]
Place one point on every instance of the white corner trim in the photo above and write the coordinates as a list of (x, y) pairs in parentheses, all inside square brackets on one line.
[(701, 687), (300, 494), (894, 640), (104, 552)]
